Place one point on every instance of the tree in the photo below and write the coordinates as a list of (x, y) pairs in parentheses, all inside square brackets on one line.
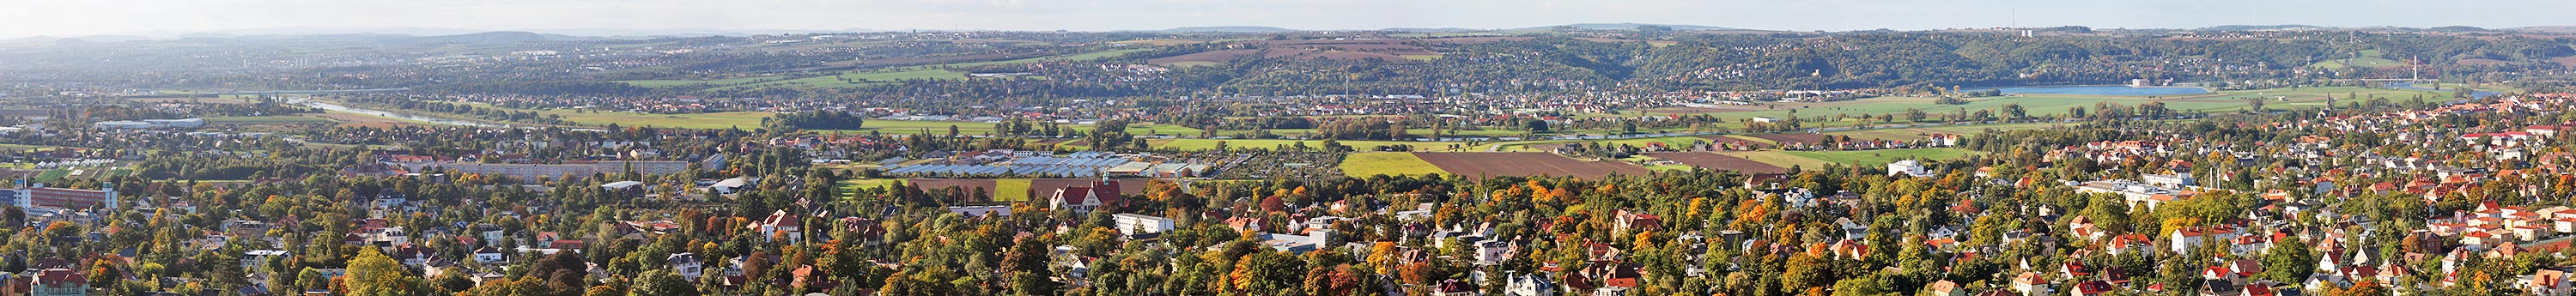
[(373, 274), (2288, 253), (659, 282)]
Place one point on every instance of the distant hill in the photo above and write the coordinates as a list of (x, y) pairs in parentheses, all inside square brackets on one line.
[(1629, 26), (2261, 27), (2545, 29), (1430, 30), (1232, 29), (498, 37)]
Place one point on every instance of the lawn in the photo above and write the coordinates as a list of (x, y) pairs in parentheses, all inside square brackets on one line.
[(1880, 157), (1777, 158), (1011, 190), (1386, 163), (856, 184), (52, 175)]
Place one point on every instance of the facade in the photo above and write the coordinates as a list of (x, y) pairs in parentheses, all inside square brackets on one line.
[(58, 282), (1907, 168), (1083, 199), (41, 196), (1134, 224)]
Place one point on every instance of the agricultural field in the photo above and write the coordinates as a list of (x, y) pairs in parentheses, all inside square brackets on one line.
[(1880, 157), (1525, 164), (1716, 161), (1361, 165), (1919, 133)]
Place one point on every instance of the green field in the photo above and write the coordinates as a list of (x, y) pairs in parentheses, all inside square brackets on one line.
[(1386, 163), (1880, 157), (1210, 144), (853, 185), (1011, 190), (53, 175), (1776, 158), (1919, 133)]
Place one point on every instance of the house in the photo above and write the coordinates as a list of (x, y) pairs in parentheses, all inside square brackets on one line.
[(490, 255), (2546, 282), (1453, 287), (1529, 285), (2185, 238), (2090, 288), (1135, 224), (1907, 168), (2030, 284), (1084, 199), (1948, 288), (687, 265), (780, 224), (58, 282), (2169, 180), (1635, 221)]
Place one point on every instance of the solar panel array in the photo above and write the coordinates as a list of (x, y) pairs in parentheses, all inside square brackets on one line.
[(1042, 166)]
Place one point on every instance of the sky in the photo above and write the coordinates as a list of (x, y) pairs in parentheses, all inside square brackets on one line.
[(145, 17)]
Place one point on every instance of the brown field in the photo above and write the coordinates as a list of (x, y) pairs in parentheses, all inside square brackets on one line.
[(1525, 164), (1715, 161), (1786, 139), (2570, 61)]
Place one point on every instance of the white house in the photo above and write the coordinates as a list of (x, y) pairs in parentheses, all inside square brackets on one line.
[(1907, 168), (687, 265), (1134, 224)]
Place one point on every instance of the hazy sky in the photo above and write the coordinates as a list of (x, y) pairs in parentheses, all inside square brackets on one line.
[(89, 17)]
